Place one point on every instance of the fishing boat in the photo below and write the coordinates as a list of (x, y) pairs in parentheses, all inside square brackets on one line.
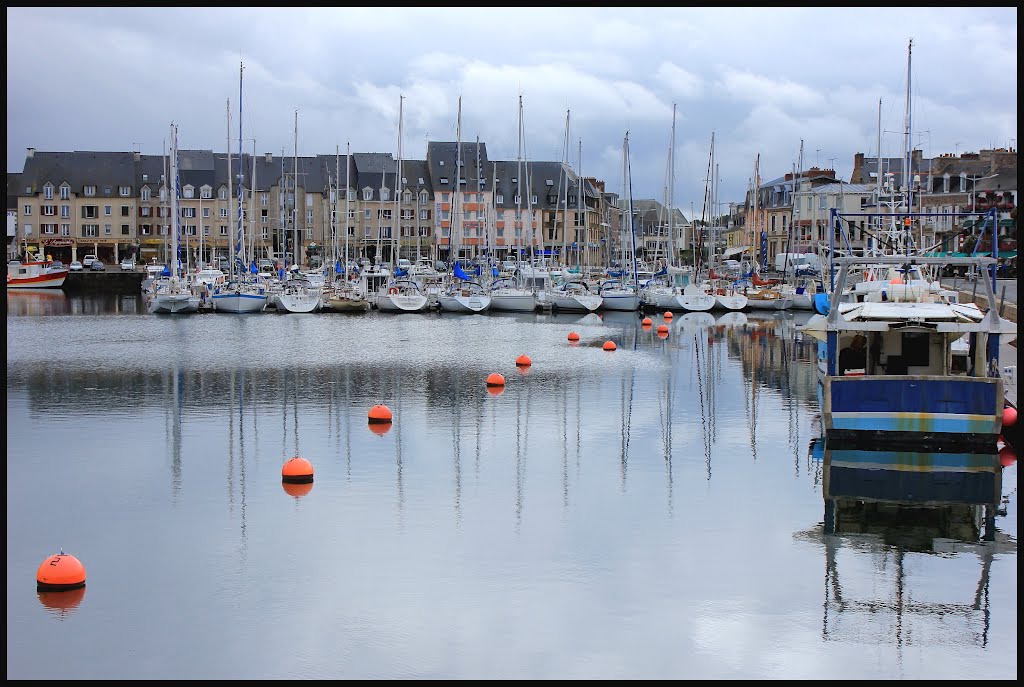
[(35, 274), (910, 384)]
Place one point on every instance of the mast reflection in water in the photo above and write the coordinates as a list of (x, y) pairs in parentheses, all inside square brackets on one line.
[(622, 514)]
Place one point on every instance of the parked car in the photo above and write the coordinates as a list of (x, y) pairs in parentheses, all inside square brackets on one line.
[(128, 265), (97, 266), (88, 260), (75, 266)]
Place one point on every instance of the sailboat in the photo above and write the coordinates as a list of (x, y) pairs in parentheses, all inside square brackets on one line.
[(171, 294), (510, 293), (239, 294), (615, 293), (344, 295), (299, 293)]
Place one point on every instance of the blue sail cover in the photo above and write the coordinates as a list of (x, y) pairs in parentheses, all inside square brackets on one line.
[(400, 272), (662, 272), (457, 271), (252, 267), (494, 271), (337, 266)]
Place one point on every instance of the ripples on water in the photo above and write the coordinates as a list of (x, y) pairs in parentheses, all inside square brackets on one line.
[(652, 512)]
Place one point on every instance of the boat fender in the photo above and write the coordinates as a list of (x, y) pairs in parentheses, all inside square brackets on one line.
[(392, 291)]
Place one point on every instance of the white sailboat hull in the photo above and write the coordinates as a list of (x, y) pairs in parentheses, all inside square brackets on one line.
[(475, 303), (574, 302), (735, 302), (401, 302), (621, 301), (695, 302), (299, 302), (173, 303), (239, 302)]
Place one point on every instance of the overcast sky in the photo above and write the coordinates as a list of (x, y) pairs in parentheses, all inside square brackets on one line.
[(757, 81)]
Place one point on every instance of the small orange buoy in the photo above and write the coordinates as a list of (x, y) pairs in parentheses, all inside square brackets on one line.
[(1009, 416), (646, 322), (380, 413), (297, 489), (609, 346), (524, 361), (1007, 456), (495, 379), (667, 315), (60, 573), (663, 335), (573, 336), (663, 329), (297, 471)]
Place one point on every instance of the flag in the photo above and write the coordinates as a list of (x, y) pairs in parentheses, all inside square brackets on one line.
[(457, 271)]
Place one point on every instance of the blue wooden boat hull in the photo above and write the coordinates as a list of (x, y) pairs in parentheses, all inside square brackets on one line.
[(919, 410)]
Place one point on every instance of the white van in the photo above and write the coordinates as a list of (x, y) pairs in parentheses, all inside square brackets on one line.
[(88, 260)]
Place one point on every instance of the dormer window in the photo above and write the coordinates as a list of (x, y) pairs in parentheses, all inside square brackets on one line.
[(385, 194), (367, 194), (188, 192), (444, 181)]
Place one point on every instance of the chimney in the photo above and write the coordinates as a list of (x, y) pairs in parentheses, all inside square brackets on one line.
[(137, 155), (30, 152), (269, 157)]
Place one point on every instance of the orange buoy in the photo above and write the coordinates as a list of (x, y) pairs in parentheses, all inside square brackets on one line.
[(667, 315), (609, 346), (573, 336), (380, 413), (1009, 416), (495, 390), (663, 335), (297, 471), (524, 361), (60, 573), (495, 379), (663, 329), (1007, 456), (297, 489), (646, 322)]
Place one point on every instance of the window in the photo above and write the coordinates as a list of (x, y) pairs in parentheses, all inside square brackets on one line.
[(444, 180), (48, 192), (367, 194), (499, 199), (424, 198), (385, 214), (223, 230), (407, 196), (48, 210), (223, 213), (264, 198), (424, 214), (27, 211), (264, 217), (366, 213), (265, 233), (65, 211), (188, 192), (89, 191), (350, 194), (126, 210), (48, 228), (90, 212), (309, 199), (385, 195), (27, 229), (65, 230), (206, 230), (90, 230), (533, 200), (65, 192), (223, 194), (517, 199), (124, 191), (188, 212), (206, 192), (107, 211), (107, 230), (124, 230), (146, 194), (190, 230), (206, 212)]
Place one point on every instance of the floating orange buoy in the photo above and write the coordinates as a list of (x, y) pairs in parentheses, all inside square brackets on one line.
[(297, 471), (495, 390), (646, 322), (609, 346), (663, 329), (1009, 416), (1007, 456), (663, 335), (667, 315), (380, 413), (524, 360), (297, 489), (60, 573), (495, 379), (573, 336)]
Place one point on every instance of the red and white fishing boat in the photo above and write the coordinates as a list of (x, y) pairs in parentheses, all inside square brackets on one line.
[(35, 274)]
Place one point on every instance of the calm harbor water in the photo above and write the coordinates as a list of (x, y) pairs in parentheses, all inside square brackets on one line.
[(656, 511)]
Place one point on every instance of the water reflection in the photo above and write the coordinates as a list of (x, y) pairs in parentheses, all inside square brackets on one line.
[(893, 520)]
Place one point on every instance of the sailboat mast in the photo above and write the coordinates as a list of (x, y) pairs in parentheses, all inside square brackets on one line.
[(456, 226), (563, 181), (396, 236), (632, 231), (583, 245), (174, 201), (517, 234), (295, 195), (906, 135), (252, 207), (239, 248), (670, 258), (348, 171), (231, 267), (337, 202)]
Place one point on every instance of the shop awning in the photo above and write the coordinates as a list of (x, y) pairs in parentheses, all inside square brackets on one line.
[(729, 252)]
